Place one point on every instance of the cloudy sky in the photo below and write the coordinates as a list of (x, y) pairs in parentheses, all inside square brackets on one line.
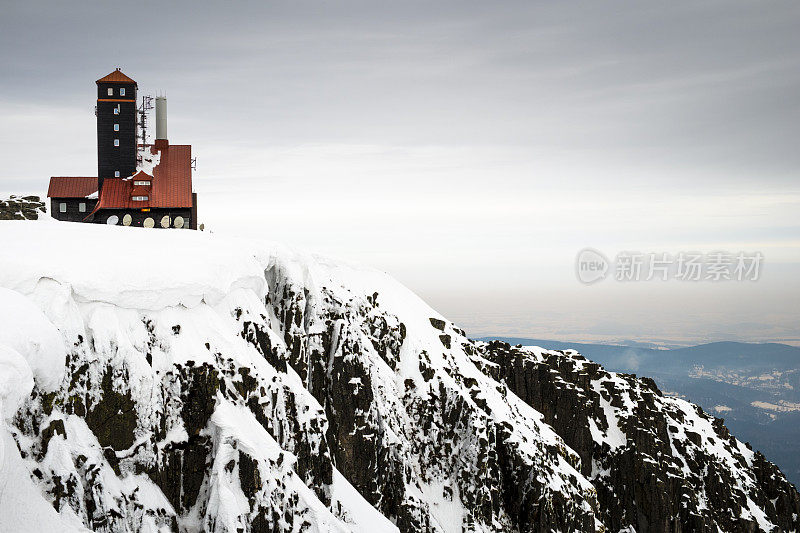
[(471, 149)]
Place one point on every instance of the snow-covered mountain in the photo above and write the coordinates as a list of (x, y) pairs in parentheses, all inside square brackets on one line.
[(174, 380)]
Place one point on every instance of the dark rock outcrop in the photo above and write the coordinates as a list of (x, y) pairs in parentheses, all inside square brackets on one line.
[(453, 433), (21, 208), (661, 476)]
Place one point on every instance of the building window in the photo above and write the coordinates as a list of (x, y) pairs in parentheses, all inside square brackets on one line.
[(116, 110), (122, 91), (62, 207), (116, 142), (82, 207), (116, 173), (116, 127), (146, 183), (140, 198), (110, 91)]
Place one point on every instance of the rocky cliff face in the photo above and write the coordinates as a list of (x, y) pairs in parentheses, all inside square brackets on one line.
[(658, 463), (265, 390)]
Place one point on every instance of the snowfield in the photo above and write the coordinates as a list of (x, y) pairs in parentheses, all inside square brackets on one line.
[(175, 380), (130, 269)]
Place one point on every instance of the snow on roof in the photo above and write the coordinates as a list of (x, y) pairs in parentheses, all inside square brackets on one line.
[(149, 158)]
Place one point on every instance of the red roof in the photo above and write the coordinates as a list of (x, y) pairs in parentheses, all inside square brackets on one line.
[(172, 178), (117, 193), (171, 183), (116, 77), (71, 187)]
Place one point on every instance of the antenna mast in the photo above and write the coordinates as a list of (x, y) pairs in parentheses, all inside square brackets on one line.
[(146, 105)]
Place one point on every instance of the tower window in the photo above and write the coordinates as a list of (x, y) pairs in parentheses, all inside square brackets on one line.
[(116, 173), (116, 127), (82, 207), (62, 207), (116, 142), (122, 91), (110, 91), (143, 182), (140, 198)]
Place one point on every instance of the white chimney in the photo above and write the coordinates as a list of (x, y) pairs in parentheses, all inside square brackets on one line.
[(161, 117)]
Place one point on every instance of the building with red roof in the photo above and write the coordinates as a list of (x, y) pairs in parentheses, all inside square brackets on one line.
[(72, 198), (138, 184)]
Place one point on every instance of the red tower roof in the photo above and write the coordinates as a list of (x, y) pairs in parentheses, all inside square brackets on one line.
[(116, 77)]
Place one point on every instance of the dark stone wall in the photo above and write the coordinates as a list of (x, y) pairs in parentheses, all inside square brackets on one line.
[(193, 221), (112, 158), (73, 213), (130, 91)]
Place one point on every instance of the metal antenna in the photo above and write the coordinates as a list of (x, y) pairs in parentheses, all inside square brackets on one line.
[(146, 105)]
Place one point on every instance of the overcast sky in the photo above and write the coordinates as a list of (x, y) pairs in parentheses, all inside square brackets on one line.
[(471, 149)]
